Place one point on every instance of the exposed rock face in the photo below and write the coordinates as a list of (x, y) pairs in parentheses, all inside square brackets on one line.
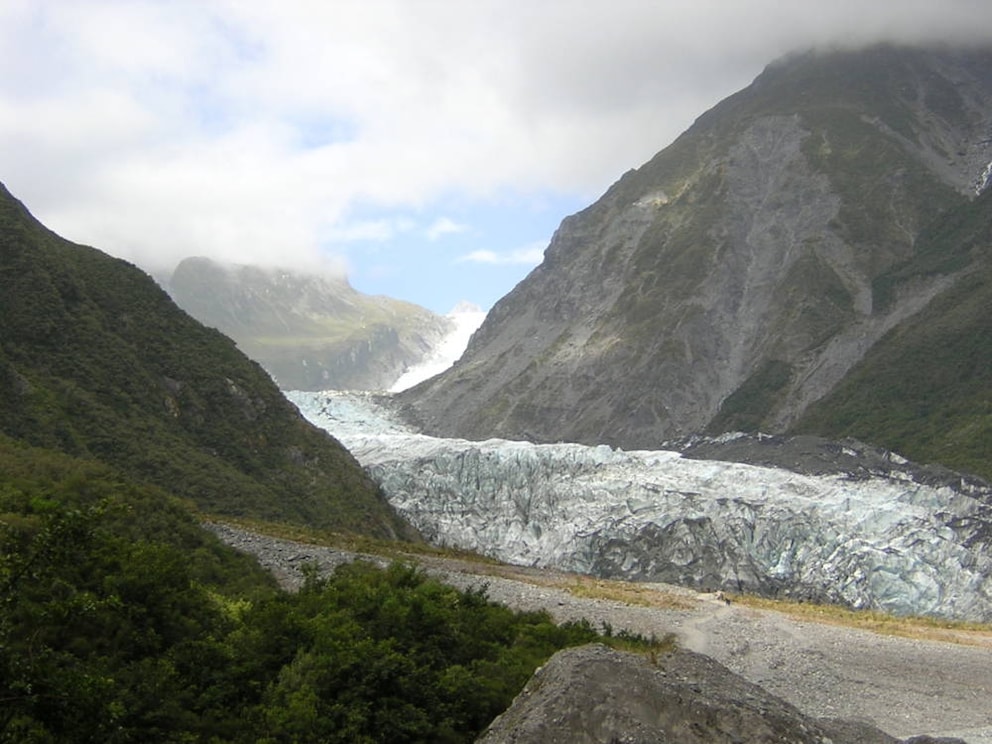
[(858, 527), (735, 278), (309, 332), (594, 695)]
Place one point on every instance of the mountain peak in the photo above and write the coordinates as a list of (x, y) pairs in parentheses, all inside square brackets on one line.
[(744, 271)]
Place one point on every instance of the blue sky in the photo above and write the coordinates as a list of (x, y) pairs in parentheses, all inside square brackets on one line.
[(426, 148), (457, 250)]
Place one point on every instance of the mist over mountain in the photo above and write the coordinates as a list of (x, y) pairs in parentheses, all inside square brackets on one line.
[(309, 331), (811, 255)]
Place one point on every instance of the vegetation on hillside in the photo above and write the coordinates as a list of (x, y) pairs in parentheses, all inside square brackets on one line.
[(96, 361), (745, 408), (309, 331), (925, 390), (122, 621)]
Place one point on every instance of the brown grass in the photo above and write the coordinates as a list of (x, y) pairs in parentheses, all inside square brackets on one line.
[(921, 628), (626, 592), (393, 549)]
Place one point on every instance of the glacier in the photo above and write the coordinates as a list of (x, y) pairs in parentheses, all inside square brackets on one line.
[(466, 319), (882, 541)]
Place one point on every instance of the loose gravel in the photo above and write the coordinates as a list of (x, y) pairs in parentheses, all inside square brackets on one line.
[(903, 686)]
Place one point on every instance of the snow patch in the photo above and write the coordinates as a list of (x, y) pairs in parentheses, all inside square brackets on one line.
[(983, 181)]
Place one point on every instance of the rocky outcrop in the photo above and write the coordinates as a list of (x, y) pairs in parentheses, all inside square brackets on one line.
[(738, 276), (309, 331), (595, 695)]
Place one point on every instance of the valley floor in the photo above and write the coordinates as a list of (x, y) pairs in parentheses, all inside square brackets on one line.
[(904, 686)]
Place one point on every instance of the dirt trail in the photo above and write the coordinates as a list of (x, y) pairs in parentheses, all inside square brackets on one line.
[(903, 686), (695, 633)]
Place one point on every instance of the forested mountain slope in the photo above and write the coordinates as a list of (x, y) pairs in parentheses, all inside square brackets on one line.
[(925, 389), (96, 361)]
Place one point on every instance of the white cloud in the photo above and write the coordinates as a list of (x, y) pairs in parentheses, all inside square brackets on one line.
[(370, 230), (252, 131), (444, 226), (528, 255)]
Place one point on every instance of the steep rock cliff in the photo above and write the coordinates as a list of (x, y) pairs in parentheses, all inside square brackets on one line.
[(738, 276)]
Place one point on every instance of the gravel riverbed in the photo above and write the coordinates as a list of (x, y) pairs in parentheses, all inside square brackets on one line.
[(903, 686)]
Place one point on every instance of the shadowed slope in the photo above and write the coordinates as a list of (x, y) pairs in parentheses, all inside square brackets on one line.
[(96, 361)]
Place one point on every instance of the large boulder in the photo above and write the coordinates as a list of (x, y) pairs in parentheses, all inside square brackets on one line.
[(594, 694)]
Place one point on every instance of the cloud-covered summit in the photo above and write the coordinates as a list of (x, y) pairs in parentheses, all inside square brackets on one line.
[(263, 133)]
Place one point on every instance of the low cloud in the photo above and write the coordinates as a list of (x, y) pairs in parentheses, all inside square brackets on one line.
[(530, 255), (444, 226), (253, 131)]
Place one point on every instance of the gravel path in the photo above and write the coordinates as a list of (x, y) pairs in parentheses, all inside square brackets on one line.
[(903, 686)]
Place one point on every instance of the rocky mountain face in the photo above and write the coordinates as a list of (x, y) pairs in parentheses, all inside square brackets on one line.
[(310, 332), (924, 388), (744, 272), (97, 362), (593, 694)]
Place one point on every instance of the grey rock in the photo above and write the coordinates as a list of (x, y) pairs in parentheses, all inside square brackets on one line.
[(730, 282), (594, 694)]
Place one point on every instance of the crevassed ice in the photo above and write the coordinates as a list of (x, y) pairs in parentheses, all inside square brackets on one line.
[(887, 543)]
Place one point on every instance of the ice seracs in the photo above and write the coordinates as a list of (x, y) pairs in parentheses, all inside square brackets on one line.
[(467, 318), (889, 543)]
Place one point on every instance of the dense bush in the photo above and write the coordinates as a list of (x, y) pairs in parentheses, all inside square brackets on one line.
[(122, 621)]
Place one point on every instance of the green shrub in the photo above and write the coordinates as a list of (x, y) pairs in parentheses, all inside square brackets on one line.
[(122, 621)]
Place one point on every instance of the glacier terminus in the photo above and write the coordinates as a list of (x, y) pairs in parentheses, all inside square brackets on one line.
[(886, 540)]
